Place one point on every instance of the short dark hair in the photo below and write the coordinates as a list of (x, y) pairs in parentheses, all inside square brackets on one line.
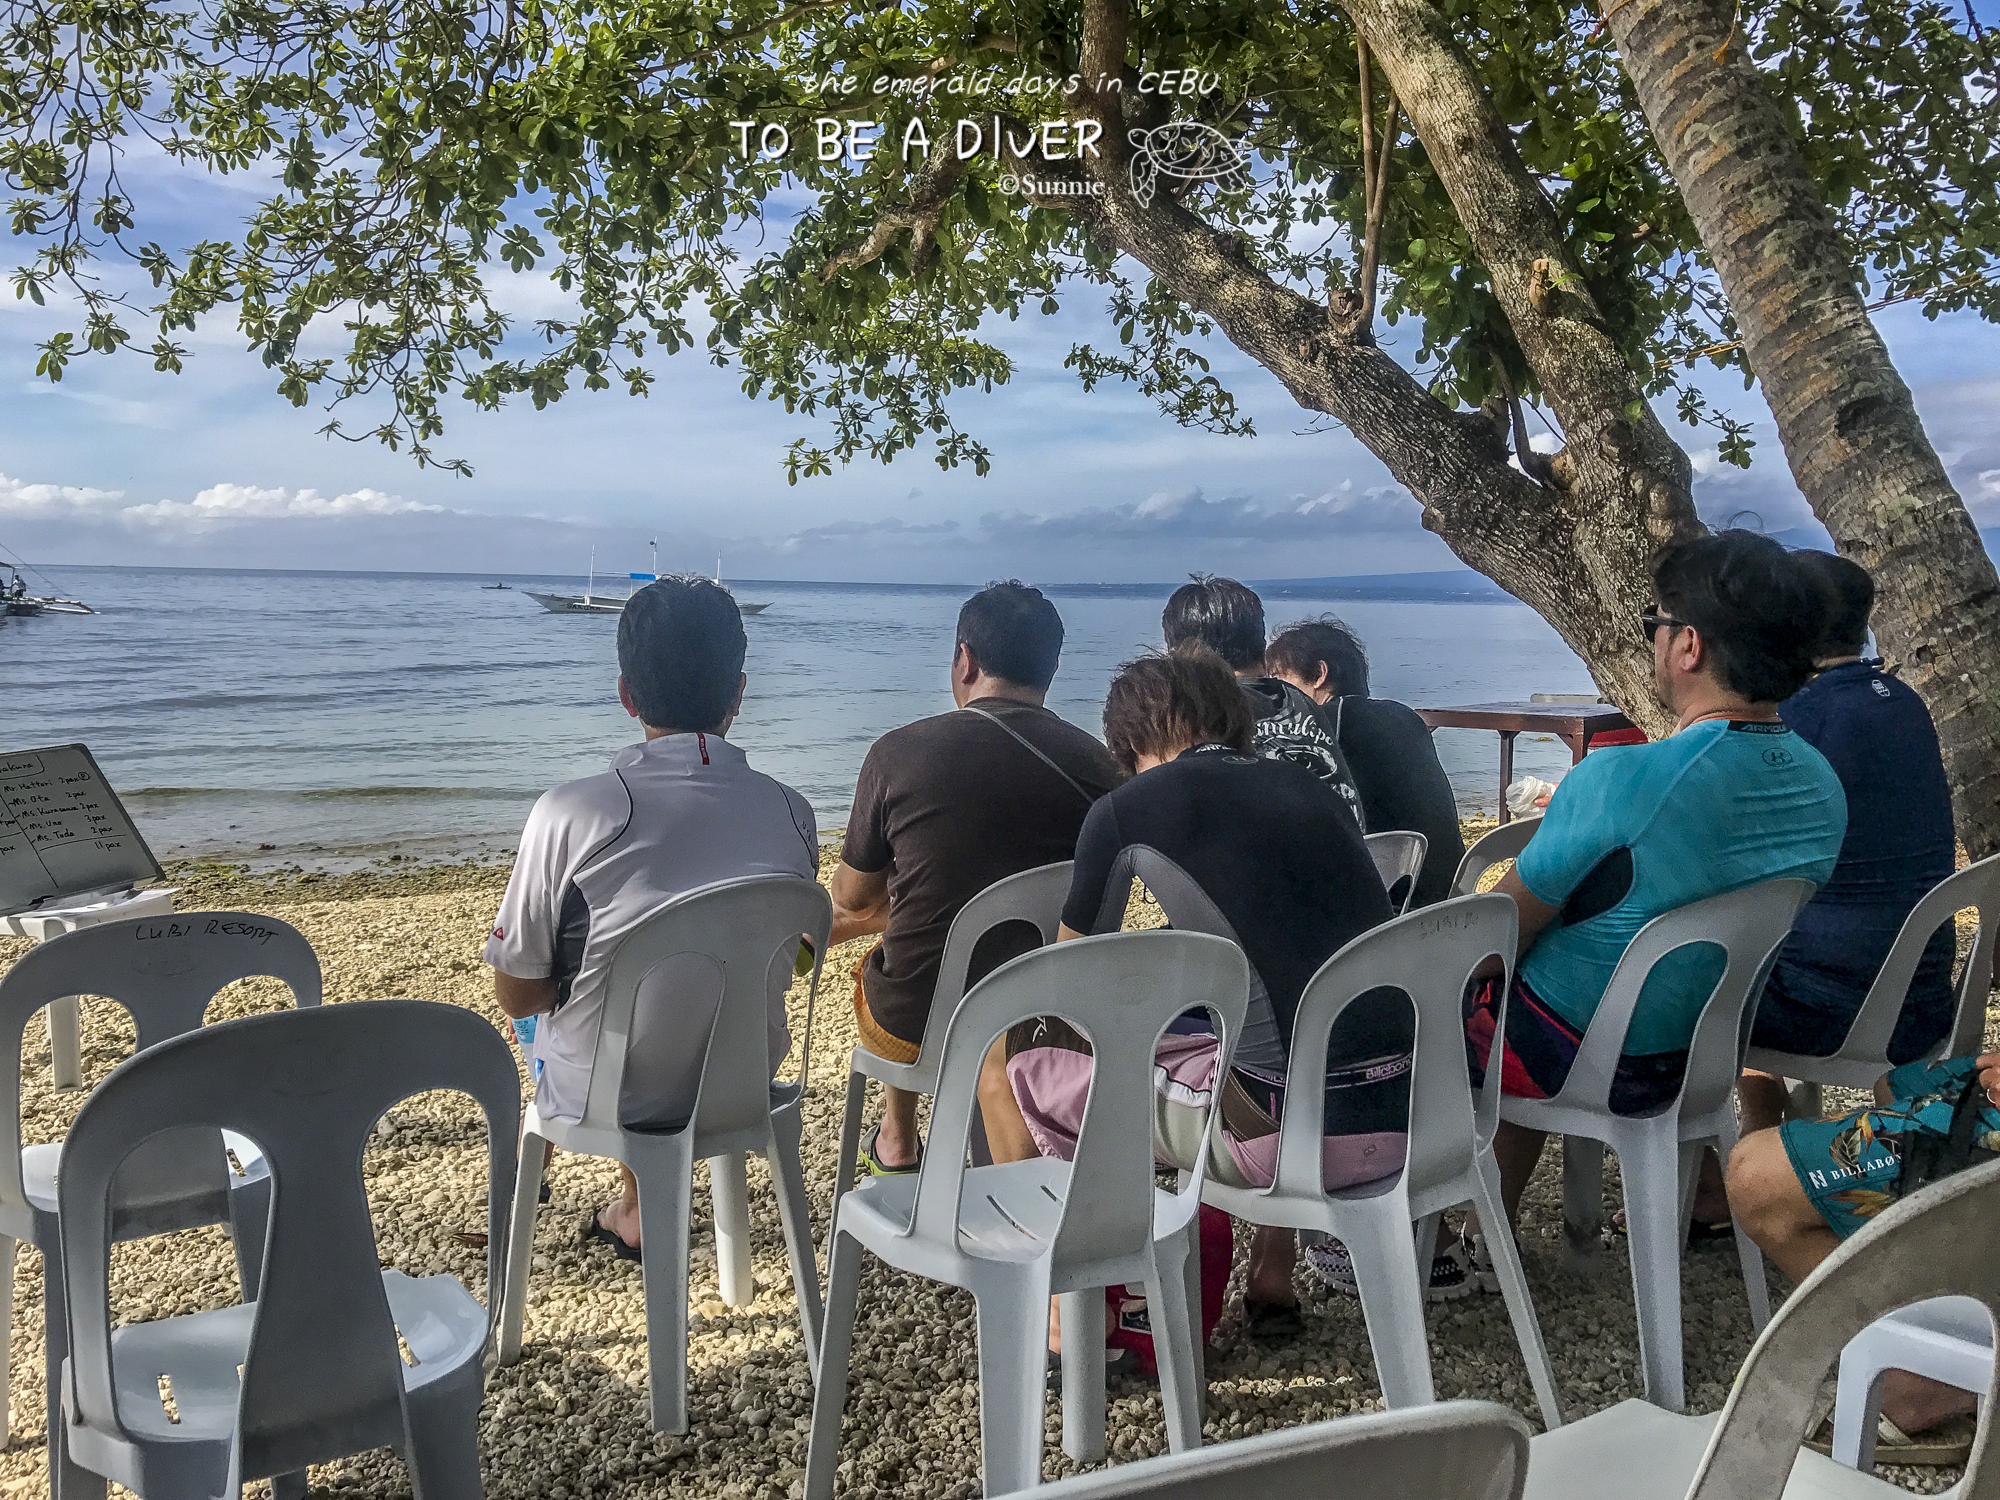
[(1187, 696), (1222, 614), (1758, 609), (1304, 646), (680, 651), (1850, 599), (1014, 633)]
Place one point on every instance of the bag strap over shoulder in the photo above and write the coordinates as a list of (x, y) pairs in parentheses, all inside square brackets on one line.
[(1026, 744)]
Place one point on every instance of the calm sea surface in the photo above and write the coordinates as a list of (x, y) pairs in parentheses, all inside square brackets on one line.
[(340, 717)]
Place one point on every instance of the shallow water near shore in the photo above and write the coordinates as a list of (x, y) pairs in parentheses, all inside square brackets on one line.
[(336, 719)]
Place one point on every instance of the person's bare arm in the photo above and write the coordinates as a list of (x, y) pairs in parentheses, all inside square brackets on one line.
[(1064, 932), (860, 903), (1535, 916), (1989, 1077), (522, 998)]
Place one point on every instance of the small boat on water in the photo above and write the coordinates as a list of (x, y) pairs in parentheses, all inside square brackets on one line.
[(493, 585), (16, 600), (590, 602)]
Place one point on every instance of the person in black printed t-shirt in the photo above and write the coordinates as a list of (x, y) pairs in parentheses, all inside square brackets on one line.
[(680, 810), (1228, 618), (1274, 852)]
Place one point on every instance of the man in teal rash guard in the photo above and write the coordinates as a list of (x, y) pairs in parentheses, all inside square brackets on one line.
[(1733, 797)]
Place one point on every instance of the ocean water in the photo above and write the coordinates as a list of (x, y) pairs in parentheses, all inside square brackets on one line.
[(334, 719)]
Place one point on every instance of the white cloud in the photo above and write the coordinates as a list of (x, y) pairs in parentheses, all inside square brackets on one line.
[(218, 505)]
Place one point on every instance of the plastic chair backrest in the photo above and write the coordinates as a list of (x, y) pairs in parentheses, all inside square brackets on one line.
[(323, 1369), (1120, 990), (165, 971), (1976, 886), (1504, 842), (1935, 1243), (1429, 955), (1399, 856), (1033, 896), (743, 928), (1748, 924), (1456, 1450)]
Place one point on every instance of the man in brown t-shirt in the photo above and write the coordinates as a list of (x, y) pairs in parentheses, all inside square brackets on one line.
[(945, 807)]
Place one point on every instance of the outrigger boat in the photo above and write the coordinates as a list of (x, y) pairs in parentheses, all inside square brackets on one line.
[(590, 602), (16, 600)]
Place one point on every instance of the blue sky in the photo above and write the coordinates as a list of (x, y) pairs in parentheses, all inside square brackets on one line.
[(119, 464)]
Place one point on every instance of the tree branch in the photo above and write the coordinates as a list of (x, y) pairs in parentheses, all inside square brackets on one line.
[(931, 189)]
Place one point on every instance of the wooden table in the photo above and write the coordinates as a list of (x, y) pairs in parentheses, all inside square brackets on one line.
[(1572, 723)]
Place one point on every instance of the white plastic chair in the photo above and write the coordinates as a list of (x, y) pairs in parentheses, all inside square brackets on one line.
[(1460, 1450), (1034, 897), (321, 1375), (1930, 1245), (1504, 842), (1006, 1234), (164, 970), (1399, 856), (749, 930), (1863, 1054), (1949, 1339), (1659, 1155), (1430, 956)]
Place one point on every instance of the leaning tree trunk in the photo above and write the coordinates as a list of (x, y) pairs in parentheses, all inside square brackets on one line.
[(1849, 427)]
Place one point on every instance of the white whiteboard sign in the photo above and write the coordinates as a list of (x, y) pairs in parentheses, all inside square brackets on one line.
[(63, 830)]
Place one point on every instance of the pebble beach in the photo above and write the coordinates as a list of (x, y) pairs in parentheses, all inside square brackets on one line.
[(569, 1421)]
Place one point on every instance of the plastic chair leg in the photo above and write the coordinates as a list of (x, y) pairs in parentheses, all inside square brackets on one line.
[(664, 1167), (788, 1178), (443, 1453), (1655, 1233), (293, 1486), (1083, 1374), (249, 1220), (65, 1022), (1013, 1383), (7, 1244), (850, 1138), (1514, 1288), (1176, 1320), (729, 1196), (520, 1246), (1857, 1406), (68, 1480), (1392, 1304), (843, 1290)]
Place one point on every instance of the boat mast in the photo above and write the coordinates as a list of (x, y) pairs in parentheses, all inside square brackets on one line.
[(591, 586)]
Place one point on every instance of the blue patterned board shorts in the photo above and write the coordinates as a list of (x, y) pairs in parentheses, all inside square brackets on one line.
[(1849, 1166)]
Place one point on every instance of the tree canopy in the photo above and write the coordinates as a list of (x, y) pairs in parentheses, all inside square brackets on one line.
[(419, 151)]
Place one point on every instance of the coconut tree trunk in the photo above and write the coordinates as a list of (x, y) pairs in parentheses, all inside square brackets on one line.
[(1845, 417)]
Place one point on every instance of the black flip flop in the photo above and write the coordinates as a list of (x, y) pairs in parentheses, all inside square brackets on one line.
[(593, 1229), (1273, 1321), (1114, 1366)]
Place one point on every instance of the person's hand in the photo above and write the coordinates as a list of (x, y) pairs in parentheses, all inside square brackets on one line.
[(1989, 1077)]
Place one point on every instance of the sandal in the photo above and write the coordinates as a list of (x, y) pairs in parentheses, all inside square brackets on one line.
[(593, 1229), (1929, 1449), (1273, 1321), (1114, 1366), (873, 1163)]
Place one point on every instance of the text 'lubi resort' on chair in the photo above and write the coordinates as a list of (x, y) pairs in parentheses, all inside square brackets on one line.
[(1033, 898), (1389, 1226), (1399, 860), (1503, 843), (1013, 1234), (164, 970), (1460, 1450), (1659, 1154), (1935, 1243), (744, 935), (1863, 1054), (337, 1355)]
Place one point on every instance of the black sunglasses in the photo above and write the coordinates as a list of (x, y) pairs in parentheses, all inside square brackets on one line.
[(1650, 623)]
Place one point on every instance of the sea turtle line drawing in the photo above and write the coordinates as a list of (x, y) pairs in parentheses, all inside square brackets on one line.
[(1189, 151)]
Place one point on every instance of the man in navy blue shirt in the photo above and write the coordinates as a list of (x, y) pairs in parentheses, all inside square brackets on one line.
[(1878, 736)]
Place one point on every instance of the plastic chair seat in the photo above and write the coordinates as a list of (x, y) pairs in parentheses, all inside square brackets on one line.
[(441, 1321), (1636, 1451), (38, 1183)]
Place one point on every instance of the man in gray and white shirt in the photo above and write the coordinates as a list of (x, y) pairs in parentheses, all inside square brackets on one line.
[(676, 812)]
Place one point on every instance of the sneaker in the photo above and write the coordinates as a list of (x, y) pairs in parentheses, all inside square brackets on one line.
[(1479, 1261), (1451, 1271)]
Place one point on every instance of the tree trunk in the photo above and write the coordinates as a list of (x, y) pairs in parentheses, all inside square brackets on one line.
[(1848, 425)]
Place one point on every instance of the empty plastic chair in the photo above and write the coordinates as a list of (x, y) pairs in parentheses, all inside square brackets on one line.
[(164, 970), (1503, 843), (1461, 1450), (1915, 1250), (322, 1375), (1948, 1339), (1006, 1233), (1399, 859), (1863, 1054), (1033, 897), (749, 931), (1660, 1154), (1430, 955)]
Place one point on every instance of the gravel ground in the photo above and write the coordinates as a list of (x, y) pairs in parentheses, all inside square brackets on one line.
[(570, 1420)]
